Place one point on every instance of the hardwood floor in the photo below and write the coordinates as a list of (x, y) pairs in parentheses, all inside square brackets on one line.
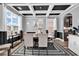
[(63, 43)]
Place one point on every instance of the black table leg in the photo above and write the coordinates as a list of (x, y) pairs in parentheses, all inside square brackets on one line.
[(9, 50), (47, 51), (24, 50)]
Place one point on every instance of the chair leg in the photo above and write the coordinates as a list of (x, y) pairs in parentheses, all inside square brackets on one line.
[(47, 50), (9, 52), (24, 50), (38, 51), (32, 51)]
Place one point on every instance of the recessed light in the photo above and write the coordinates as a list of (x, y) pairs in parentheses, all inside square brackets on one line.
[(40, 7)]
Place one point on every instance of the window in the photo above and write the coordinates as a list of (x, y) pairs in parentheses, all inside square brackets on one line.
[(12, 22)]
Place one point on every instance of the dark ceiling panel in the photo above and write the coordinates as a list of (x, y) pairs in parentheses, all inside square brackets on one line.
[(41, 14), (27, 14), (21, 8), (60, 7), (41, 7), (54, 13)]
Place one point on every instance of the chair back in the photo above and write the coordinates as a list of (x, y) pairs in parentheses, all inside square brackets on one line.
[(28, 40), (42, 40)]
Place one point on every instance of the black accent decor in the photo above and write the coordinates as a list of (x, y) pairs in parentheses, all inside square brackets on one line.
[(40, 14), (54, 13), (35, 42), (3, 37), (27, 14), (60, 7), (59, 35), (41, 7), (21, 35), (30, 32), (55, 34), (47, 31)]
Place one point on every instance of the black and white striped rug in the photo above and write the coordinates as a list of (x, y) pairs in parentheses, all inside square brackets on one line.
[(53, 49)]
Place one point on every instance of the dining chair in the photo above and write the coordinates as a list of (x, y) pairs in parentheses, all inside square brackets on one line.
[(42, 40), (28, 41)]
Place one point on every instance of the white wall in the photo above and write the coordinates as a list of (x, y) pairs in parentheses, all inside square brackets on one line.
[(23, 23), (60, 23), (31, 20), (20, 23), (30, 27), (75, 17)]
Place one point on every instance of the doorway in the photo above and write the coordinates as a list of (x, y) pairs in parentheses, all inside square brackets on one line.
[(67, 27)]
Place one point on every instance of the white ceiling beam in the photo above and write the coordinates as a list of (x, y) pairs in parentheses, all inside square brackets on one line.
[(14, 9), (53, 16), (17, 4), (63, 3), (37, 4), (40, 11), (32, 10), (25, 12), (49, 9), (57, 11)]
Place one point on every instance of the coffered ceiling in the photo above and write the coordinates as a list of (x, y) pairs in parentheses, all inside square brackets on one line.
[(41, 9)]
